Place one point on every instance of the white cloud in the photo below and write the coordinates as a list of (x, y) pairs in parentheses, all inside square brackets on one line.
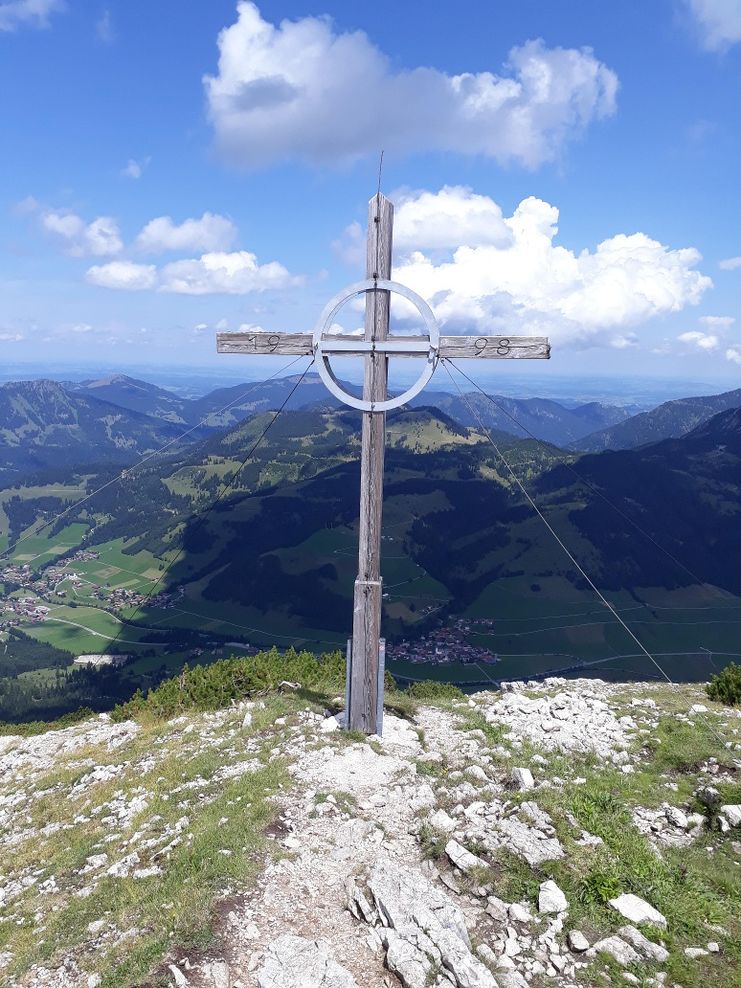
[(624, 342), (101, 238), (302, 91), (730, 264), (104, 28), (528, 284), (79, 327), (703, 341), (209, 233), (8, 336), (236, 273), (123, 275), (135, 169), (718, 21), (31, 13), (717, 322), (733, 353), (448, 218)]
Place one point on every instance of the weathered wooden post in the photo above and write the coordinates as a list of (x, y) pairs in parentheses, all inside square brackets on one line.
[(363, 700), (366, 650)]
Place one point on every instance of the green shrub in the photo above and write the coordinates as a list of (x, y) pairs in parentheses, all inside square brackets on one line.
[(598, 886), (30, 728), (726, 686), (429, 689), (212, 686)]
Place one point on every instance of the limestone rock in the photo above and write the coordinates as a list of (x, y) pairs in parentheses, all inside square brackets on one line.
[(217, 975), (403, 896), (551, 899), (497, 909), (178, 977), (617, 948), (425, 930), (462, 858), (409, 955), (647, 948), (732, 813), (510, 979), (294, 962), (637, 910), (330, 724), (519, 913), (676, 817), (456, 957), (523, 778), (694, 952), (577, 941), (529, 842), (441, 821)]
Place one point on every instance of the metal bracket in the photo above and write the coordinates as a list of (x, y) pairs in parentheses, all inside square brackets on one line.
[(324, 348)]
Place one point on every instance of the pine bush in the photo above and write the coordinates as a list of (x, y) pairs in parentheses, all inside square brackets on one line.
[(726, 686)]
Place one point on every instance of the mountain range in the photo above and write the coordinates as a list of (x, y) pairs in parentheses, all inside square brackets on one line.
[(669, 420), (263, 547), (44, 425)]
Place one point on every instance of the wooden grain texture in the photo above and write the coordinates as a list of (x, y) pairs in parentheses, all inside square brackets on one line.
[(367, 596), (478, 347), (495, 347), (291, 344)]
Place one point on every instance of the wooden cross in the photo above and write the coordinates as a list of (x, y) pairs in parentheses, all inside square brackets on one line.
[(365, 653)]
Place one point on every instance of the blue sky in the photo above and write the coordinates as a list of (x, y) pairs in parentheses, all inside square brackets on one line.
[(561, 167)]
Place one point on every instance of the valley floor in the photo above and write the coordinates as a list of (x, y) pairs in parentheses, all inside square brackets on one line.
[(571, 833)]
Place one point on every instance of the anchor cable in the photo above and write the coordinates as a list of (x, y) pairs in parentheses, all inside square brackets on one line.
[(591, 487), (225, 488), (610, 607)]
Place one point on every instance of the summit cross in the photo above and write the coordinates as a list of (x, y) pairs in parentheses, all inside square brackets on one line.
[(365, 670)]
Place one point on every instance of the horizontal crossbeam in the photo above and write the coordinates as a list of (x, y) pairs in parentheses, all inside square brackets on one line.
[(302, 344)]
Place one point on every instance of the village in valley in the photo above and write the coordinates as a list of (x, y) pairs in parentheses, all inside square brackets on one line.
[(33, 597), (445, 645), (62, 582)]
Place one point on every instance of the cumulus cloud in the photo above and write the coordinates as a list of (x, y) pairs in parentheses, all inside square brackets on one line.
[(9, 336), (300, 90), (703, 341), (28, 13), (718, 22), (525, 283), (435, 221), (209, 233), (730, 264), (125, 275), (447, 218), (101, 238), (733, 353), (236, 273)]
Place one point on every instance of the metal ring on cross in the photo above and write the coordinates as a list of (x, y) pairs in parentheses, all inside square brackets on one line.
[(355, 346)]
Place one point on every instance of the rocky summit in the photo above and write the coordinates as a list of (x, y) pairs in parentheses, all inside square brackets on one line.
[(562, 834)]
